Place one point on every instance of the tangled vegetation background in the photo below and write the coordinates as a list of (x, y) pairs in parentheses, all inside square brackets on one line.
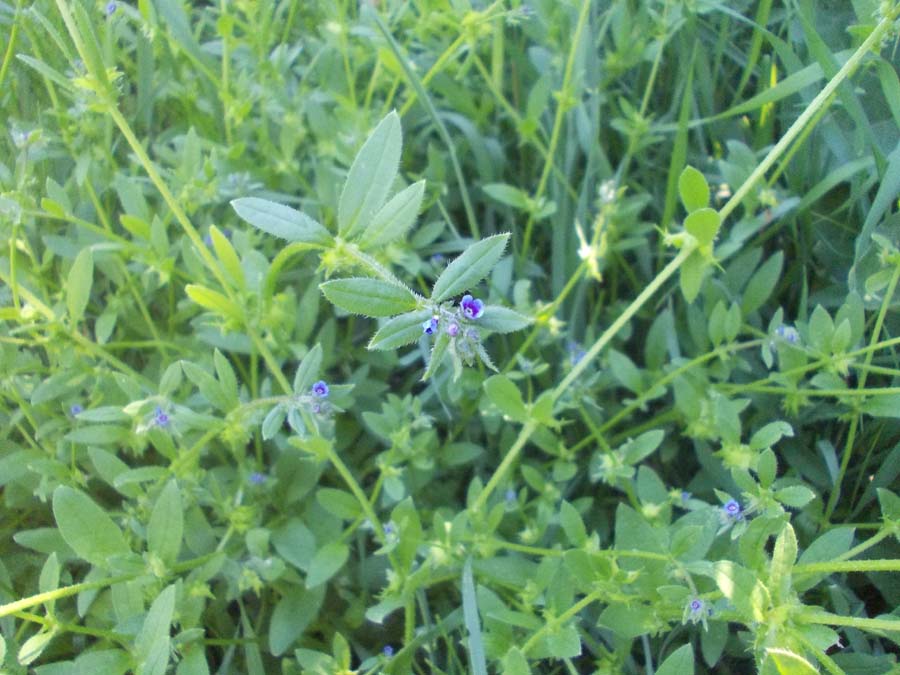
[(449, 337)]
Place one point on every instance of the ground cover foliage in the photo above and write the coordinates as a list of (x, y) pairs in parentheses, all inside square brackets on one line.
[(449, 337)]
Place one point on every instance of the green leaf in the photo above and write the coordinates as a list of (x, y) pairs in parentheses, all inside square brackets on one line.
[(326, 563), (796, 496), (78, 284), (628, 621), (86, 527), (98, 434), (509, 195), (748, 595), (704, 225), (499, 319), (293, 613), (308, 370), (438, 351), (890, 504), (394, 218), (281, 221), (679, 662), (228, 257), (784, 555), (693, 189), (477, 659), (166, 526), (506, 396), (770, 434), (785, 662), (338, 503), (400, 331), (635, 450), (34, 646), (369, 297), (151, 647), (691, 275), (572, 524), (470, 267), (515, 663), (371, 175), (762, 283), (214, 301), (882, 405), (227, 380)]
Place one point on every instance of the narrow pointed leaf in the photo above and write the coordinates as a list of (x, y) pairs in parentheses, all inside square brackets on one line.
[(281, 221), (394, 218), (473, 265), (369, 297), (370, 177), (400, 331), (78, 286)]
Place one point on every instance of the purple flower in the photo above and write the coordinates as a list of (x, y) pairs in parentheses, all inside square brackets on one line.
[(472, 308), (257, 478), (453, 329), (111, 8), (732, 510), (76, 409), (695, 611), (161, 418), (388, 651), (430, 326), (320, 389)]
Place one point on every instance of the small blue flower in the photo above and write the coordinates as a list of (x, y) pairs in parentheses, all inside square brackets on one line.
[(257, 478), (472, 308), (111, 8), (430, 326), (389, 529), (320, 389), (76, 409), (453, 329), (437, 259), (161, 418), (696, 611), (388, 651), (732, 510), (685, 496), (511, 495), (788, 334)]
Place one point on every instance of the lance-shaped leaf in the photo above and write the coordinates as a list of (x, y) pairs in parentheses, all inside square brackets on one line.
[(499, 319), (399, 331), (394, 218), (370, 177), (281, 221), (369, 297), (473, 265), (308, 369), (86, 527)]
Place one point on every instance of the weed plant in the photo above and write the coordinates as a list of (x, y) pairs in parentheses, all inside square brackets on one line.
[(449, 337)]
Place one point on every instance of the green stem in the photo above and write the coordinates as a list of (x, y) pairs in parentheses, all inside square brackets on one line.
[(561, 109), (438, 122), (11, 45), (829, 619), (561, 619), (847, 566), (818, 102), (854, 423)]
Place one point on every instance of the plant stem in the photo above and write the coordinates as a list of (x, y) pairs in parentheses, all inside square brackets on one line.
[(854, 423), (818, 102)]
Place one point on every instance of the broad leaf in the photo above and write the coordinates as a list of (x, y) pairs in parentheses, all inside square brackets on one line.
[(693, 189), (86, 527)]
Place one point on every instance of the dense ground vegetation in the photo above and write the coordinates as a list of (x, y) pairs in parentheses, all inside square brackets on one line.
[(449, 337)]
